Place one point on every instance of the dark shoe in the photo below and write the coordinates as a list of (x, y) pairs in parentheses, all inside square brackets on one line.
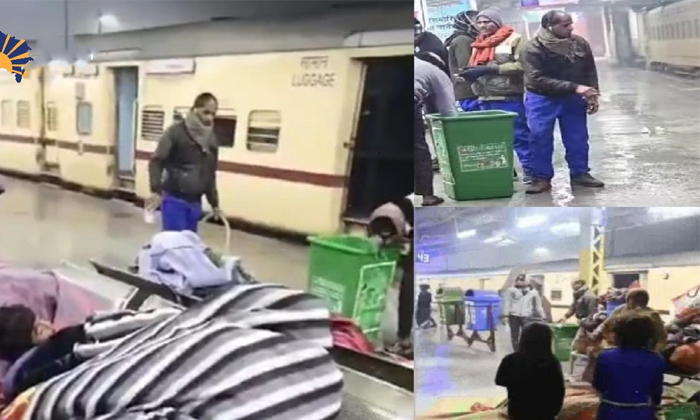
[(436, 165), (587, 180), (431, 200), (527, 179), (538, 186)]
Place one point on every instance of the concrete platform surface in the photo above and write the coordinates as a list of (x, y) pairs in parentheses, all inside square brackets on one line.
[(41, 225), (645, 145)]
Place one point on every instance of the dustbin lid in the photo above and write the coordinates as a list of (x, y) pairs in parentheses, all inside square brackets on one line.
[(474, 295)]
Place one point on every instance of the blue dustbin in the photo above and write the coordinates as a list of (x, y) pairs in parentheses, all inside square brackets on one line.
[(611, 306), (476, 307)]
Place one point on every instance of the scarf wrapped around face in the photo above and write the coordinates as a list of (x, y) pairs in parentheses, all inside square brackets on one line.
[(561, 46), (201, 133), (484, 48)]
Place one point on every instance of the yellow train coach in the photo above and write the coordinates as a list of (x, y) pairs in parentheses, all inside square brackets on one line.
[(307, 126)]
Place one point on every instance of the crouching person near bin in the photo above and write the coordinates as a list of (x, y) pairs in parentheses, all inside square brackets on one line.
[(183, 168), (431, 89), (561, 83), (497, 77), (393, 224)]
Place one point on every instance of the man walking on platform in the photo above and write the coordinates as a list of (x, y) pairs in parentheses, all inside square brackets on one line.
[(561, 82), (183, 168), (522, 305)]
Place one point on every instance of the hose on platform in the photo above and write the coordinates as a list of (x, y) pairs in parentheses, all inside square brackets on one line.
[(227, 228)]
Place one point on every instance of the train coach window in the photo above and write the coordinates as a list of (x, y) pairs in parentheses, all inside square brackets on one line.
[(152, 124), (23, 120), (225, 130), (83, 122), (51, 117), (263, 131), (696, 28), (6, 113)]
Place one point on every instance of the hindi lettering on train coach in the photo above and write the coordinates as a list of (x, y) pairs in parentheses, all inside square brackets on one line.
[(314, 72)]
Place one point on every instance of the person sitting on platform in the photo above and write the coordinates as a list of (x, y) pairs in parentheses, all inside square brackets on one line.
[(533, 376), (636, 302)]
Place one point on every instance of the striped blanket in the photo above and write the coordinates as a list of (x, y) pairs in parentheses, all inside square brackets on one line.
[(250, 352)]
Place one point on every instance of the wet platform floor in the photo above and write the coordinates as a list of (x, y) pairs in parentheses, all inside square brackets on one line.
[(645, 145), (42, 225), (451, 370)]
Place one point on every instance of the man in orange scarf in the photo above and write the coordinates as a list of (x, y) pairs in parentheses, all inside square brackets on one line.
[(497, 76)]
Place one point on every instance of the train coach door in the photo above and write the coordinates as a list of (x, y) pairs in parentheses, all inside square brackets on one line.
[(126, 83), (382, 160)]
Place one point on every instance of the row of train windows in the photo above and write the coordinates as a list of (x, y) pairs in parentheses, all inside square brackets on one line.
[(22, 117), (679, 30), (262, 136), (263, 126)]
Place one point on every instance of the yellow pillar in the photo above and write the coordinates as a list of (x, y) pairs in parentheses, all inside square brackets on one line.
[(592, 251)]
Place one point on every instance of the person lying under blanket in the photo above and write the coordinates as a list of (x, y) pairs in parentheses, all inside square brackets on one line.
[(252, 351)]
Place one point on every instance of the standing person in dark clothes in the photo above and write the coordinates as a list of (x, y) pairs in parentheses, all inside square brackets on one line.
[(428, 47), (533, 377), (561, 82), (459, 50), (431, 89), (393, 223), (183, 168), (585, 302), (423, 307), (630, 377)]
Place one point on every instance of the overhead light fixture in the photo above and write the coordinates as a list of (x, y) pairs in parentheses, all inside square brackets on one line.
[(493, 239), (530, 221), (541, 251), (506, 242), (566, 229), (466, 234)]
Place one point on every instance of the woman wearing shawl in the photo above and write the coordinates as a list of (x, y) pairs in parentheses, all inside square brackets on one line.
[(187, 155), (497, 76), (561, 83), (459, 50)]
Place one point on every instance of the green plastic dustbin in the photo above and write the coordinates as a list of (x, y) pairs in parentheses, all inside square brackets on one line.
[(681, 411), (353, 274), (475, 153), (450, 302), (564, 335)]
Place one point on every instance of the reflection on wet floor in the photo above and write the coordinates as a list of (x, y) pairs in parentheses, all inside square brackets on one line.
[(43, 225), (446, 369), (645, 145)]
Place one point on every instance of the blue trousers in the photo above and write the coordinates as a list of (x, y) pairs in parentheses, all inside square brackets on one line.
[(542, 113), (521, 142), (179, 215), (469, 105)]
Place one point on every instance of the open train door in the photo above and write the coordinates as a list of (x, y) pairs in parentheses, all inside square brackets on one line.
[(381, 167), (126, 89)]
